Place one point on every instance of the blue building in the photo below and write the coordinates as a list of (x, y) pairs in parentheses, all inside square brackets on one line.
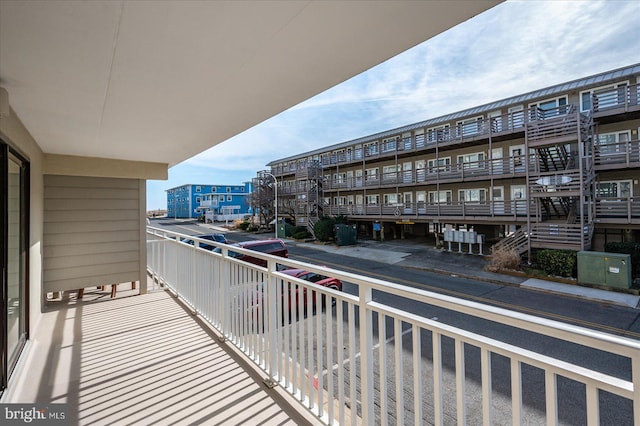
[(194, 201)]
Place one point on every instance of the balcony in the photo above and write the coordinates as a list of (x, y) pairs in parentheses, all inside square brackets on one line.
[(340, 356), (200, 347), (142, 359)]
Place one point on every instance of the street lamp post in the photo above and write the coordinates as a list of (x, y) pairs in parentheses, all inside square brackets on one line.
[(275, 187)]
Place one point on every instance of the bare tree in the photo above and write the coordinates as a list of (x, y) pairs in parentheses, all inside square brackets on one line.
[(261, 200)]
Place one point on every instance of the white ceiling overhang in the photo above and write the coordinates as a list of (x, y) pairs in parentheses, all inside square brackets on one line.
[(161, 81)]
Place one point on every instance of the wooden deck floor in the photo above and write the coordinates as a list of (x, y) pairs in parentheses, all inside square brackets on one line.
[(143, 359)]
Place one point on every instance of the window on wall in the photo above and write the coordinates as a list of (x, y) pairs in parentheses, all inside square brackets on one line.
[(371, 174), (468, 127), (472, 195), (228, 189), (439, 164), (229, 197), (439, 197), (198, 189), (221, 198), (373, 199), (436, 134), (213, 189), (14, 184), (613, 143), (471, 161), (391, 199), (615, 189), (549, 108)]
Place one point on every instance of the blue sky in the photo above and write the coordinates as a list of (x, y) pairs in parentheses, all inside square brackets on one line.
[(516, 47)]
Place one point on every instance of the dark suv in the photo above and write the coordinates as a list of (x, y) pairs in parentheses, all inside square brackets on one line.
[(218, 238), (273, 246)]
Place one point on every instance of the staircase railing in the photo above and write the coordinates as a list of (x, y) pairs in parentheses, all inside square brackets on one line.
[(517, 241)]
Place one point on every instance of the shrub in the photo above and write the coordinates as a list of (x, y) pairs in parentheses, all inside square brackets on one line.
[(627, 248), (301, 235), (562, 263), (503, 259), (323, 229), (244, 225)]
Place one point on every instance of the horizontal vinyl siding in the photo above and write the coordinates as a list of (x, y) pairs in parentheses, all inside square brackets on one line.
[(91, 232)]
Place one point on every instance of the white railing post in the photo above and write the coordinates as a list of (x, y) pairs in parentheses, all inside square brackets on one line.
[(366, 351), (224, 303), (635, 377), (271, 325)]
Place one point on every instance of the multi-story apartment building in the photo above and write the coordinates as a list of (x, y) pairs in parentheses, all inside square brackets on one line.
[(557, 167), (194, 201)]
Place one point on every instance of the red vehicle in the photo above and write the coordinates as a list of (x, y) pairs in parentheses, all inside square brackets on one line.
[(293, 305), (273, 246), (314, 278)]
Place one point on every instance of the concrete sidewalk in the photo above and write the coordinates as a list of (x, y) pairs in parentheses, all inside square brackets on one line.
[(418, 255)]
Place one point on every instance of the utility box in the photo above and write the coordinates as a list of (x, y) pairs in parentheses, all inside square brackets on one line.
[(345, 235), (609, 269)]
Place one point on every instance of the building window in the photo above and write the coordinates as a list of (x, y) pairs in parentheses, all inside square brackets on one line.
[(472, 161), (470, 126), (613, 143), (439, 197), (615, 189), (390, 173), (371, 174), (391, 199), (439, 164), (198, 189), (14, 252), (197, 199), (549, 108), (228, 189), (389, 144), (436, 134), (371, 149), (373, 199), (472, 195), (221, 198), (213, 189), (229, 197)]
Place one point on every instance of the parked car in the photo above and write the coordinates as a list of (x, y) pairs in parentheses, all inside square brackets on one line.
[(314, 278), (219, 238), (272, 246)]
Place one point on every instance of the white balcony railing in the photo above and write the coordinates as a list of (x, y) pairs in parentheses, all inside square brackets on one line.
[(384, 353)]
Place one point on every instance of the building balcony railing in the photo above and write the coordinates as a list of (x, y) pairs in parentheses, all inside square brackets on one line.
[(361, 357), (503, 209), (209, 203), (622, 98), (617, 155), (617, 210), (607, 210)]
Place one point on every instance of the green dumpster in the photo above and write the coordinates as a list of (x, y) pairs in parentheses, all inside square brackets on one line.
[(345, 234)]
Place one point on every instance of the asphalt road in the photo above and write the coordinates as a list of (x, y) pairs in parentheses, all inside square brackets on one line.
[(597, 315)]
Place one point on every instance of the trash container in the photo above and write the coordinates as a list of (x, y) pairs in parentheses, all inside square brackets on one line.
[(345, 234)]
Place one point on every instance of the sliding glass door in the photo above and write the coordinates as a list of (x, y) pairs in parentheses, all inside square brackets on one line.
[(14, 173)]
